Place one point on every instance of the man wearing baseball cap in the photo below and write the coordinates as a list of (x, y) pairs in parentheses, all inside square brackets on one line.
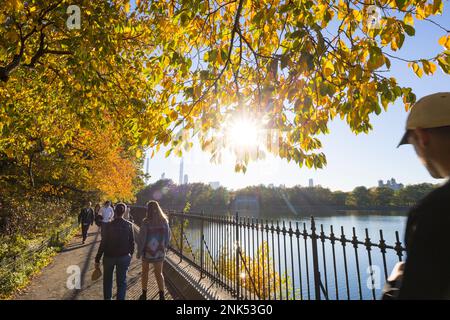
[(426, 272)]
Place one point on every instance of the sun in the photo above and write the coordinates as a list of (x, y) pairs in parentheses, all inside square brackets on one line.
[(243, 133)]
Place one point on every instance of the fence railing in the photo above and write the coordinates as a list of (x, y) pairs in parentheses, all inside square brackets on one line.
[(262, 259)]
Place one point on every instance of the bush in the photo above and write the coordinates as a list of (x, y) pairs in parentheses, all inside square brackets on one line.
[(22, 258)]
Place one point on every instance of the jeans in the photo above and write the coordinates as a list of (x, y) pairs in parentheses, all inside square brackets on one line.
[(121, 264), (84, 231)]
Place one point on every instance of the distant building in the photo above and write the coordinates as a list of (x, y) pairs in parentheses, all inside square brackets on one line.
[(186, 179), (163, 176), (180, 179), (311, 183), (147, 168), (271, 186), (214, 184), (391, 184)]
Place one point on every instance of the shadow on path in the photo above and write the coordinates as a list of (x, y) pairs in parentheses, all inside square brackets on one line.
[(88, 261), (52, 282)]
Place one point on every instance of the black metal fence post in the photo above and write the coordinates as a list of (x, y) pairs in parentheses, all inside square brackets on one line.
[(237, 247), (202, 241), (315, 257), (181, 236)]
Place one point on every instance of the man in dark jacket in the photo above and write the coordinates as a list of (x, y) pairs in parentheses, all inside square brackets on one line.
[(426, 272), (86, 219), (117, 247)]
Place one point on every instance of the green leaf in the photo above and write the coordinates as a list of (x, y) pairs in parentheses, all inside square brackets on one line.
[(204, 74), (400, 3), (410, 31), (376, 58), (444, 65)]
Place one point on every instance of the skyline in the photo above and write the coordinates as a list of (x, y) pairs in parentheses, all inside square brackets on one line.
[(183, 180)]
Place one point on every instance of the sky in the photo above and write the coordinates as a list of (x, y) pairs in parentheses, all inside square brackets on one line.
[(352, 160)]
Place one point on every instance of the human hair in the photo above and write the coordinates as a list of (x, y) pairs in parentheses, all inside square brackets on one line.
[(120, 209), (155, 215), (106, 203), (443, 132)]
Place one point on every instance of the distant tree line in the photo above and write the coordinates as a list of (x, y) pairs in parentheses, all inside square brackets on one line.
[(199, 196)]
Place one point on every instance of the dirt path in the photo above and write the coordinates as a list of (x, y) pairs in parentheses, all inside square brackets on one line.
[(51, 283)]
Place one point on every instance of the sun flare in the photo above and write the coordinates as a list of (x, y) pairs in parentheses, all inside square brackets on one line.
[(243, 133)]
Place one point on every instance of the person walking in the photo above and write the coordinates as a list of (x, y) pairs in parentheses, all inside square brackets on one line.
[(153, 241), (107, 214), (96, 210), (117, 248), (96, 215), (425, 274), (86, 219)]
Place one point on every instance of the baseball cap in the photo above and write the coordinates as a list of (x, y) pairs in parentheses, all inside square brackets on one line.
[(431, 111)]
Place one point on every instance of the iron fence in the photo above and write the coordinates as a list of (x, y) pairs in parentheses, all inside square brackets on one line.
[(261, 259)]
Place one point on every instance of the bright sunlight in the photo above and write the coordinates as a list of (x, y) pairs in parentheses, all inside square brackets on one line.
[(243, 133)]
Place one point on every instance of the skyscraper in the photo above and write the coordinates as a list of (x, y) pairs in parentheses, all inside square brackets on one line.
[(180, 180), (186, 179), (147, 166), (311, 183)]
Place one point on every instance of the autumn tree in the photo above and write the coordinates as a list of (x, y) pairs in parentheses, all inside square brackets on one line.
[(163, 72), (291, 66), (64, 92)]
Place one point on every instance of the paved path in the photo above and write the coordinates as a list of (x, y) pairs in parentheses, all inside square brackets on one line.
[(51, 283)]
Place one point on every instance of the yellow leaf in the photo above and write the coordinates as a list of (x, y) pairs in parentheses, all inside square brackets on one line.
[(429, 67), (127, 7), (409, 19), (417, 70), (394, 44), (445, 42), (437, 6), (328, 68), (420, 12), (357, 15), (185, 109), (173, 115)]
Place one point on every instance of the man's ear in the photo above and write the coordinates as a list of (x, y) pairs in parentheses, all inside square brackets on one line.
[(422, 137)]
